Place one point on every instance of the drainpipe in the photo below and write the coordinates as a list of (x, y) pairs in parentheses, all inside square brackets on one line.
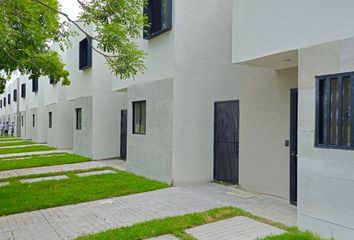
[(18, 119)]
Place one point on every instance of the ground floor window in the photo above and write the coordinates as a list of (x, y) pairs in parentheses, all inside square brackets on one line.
[(139, 117), (335, 111), (78, 113), (33, 120), (22, 120), (50, 119)]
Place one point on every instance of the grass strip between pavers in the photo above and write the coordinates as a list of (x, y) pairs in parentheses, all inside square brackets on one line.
[(15, 143), (177, 226), (18, 197), (26, 149), (40, 161)]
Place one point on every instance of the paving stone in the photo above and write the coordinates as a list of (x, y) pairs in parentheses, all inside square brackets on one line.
[(15, 159), (20, 146), (118, 164), (86, 174), (3, 184), (30, 153), (69, 222), (164, 237), (42, 179), (241, 228)]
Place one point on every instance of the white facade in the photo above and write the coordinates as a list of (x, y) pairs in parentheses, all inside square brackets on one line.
[(188, 69), (305, 39)]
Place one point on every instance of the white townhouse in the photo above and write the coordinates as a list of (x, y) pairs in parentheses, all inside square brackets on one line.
[(296, 86), (95, 107), (167, 121)]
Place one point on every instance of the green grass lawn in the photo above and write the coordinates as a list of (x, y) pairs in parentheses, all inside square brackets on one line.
[(25, 149), (177, 226), (17, 197), (15, 143), (6, 139), (40, 161)]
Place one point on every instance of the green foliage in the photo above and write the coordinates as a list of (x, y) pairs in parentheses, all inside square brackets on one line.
[(118, 24), (27, 30)]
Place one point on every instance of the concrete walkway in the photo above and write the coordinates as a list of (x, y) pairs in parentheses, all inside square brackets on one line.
[(63, 168), (71, 221)]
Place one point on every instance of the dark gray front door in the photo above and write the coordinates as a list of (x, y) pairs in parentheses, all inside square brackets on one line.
[(293, 145), (226, 141), (123, 134)]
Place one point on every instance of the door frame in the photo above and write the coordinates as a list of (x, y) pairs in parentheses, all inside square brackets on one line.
[(293, 146), (123, 157), (236, 143)]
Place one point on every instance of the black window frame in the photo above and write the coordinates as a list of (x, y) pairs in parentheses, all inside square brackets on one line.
[(78, 119), (0, 103), (9, 99), (35, 85), (15, 95), (23, 90), (153, 12), (85, 54), (22, 120), (33, 120), (135, 131), (50, 119), (4, 101), (325, 130)]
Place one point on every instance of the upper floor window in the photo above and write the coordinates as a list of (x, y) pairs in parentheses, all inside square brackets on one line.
[(9, 98), (33, 120), (23, 90), (139, 117), (15, 95), (85, 57), (159, 13), (4, 101), (0, 103), (35, 85), (335, 111)]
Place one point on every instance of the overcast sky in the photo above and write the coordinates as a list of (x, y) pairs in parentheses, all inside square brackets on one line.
[(70, 7)]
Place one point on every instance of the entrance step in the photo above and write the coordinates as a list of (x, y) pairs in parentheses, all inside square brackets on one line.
[(164, 237), (241, 228), (42, 179), (86, 174)]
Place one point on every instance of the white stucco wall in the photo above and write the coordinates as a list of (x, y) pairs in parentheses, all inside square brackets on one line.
[(203, 74), (151, 154), (264, 127), (326, 177), (266, 27), (82, 139)]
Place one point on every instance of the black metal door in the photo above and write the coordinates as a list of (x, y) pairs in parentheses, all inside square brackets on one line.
[(293, 145), (123, 134), (226, 141)]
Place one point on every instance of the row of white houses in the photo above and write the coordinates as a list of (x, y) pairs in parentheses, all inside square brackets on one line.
[(255, 93)]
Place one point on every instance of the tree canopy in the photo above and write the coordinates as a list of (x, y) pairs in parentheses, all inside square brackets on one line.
[(28, 28)]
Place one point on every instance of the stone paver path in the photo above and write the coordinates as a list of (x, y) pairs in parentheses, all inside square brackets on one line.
[(62, 168), (30, 153), (3, 184), (71, 221), (20, 146), (164, 237), (42, 179), (240, 228), (87, 174)]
